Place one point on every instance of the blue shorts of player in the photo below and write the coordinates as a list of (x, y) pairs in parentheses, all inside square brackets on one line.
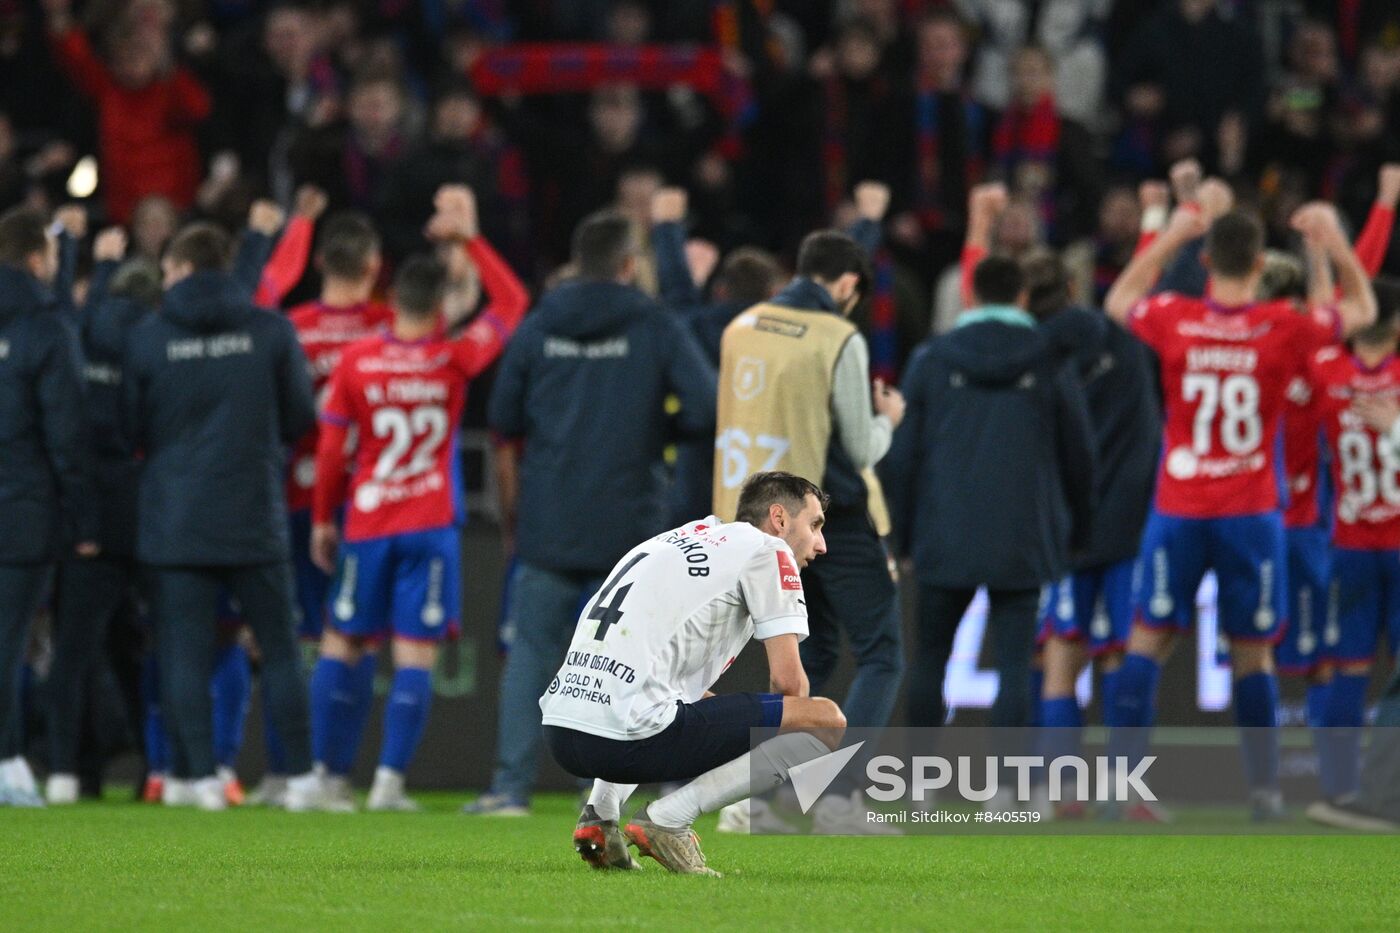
[(704, 735), (1309, 567), (1248, 556), (1364, 599), (1093, 606), (408, 586), (312, 583)]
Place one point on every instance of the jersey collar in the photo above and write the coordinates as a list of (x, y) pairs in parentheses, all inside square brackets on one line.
[(1000, 314)]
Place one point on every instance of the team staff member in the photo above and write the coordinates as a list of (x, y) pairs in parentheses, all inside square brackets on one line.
[(778, 361), (45, 484), (584, 384), (213, 391)]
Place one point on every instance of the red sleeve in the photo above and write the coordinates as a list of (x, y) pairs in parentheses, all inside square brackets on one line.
[(1374, 241), (287, 262), (332, 454), (971, 256), (80, 63), (191, 102), (1145, 239), (1147, 318), (507, 299)]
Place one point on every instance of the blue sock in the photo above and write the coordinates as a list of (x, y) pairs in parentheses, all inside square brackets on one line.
[(1323, 747), (1060, 736), (338, 714), (1343, 718), (1037, 688), (1133, 708), (1108, 682), (153, 725), (405, 715), (1256, 711), (228, 691)]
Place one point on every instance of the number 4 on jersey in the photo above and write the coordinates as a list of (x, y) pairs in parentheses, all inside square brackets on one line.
[(608, 615)]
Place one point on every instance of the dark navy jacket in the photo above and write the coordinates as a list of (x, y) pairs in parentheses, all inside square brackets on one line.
[(584, 382), (104, 328), (46, 498), (1116, 372), (990, 476), (214, 391)]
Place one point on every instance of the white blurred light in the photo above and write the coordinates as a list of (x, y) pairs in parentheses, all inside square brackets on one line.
[(83, 181)]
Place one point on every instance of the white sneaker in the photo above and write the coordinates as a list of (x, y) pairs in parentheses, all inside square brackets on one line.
[(753, 816), (177, 792), (849, 816), (270, 792), (387, 794), (324, 792), (209, 794), (61, 789), (15, 774)]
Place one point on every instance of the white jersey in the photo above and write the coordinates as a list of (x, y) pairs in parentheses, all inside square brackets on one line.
[(673, 615)]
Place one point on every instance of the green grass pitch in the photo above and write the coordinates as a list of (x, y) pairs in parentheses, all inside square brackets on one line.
[(122, 866)]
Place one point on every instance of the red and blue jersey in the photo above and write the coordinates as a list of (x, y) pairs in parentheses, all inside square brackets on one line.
[(1365, 471), (403, 402), (1302, 460), (325, 332), (1225, 373)]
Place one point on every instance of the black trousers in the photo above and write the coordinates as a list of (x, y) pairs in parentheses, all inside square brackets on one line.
[(88, 596), (21, 590), (1011, 622), (186, 631)]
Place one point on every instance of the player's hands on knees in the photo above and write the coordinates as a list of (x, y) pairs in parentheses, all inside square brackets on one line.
[(325, 543)]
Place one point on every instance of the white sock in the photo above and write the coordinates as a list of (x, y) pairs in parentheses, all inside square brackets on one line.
[(748, 775), (607, 799)]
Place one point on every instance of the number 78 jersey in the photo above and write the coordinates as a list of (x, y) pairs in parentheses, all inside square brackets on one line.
[(1225, 375), (670, 618), (1365, 470)]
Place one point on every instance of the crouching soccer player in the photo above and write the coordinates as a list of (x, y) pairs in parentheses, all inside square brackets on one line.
[(631, 703), (399, 571)]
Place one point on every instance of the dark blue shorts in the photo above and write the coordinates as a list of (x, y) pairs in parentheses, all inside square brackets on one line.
[(1309, 566), (313, 584), (1248, 556), (1365, 601), (1093, 606), (704, 735)]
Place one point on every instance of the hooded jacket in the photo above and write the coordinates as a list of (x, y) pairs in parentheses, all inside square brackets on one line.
[(46, 498), (584, 383), (214, 392), (1115, 370), (990, 476)]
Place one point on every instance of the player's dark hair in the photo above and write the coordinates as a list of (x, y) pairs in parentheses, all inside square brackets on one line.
[(828, 254), (348, 243), (761, 490), (203, 245), (419, 286), (1046, 282), (1234, 243), (602, 245), (749, 275), (138, 280), (21, 235), (1383, 330), (997, 280)]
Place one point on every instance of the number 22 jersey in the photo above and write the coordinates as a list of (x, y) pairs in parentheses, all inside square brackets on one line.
[(672, 616), (1225, 374), (398, 405)]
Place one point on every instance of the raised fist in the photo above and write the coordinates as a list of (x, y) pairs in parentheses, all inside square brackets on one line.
[(668, 205), (265, 217), (872, 200)]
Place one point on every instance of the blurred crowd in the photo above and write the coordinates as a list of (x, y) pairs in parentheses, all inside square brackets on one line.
[(767, 111)]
